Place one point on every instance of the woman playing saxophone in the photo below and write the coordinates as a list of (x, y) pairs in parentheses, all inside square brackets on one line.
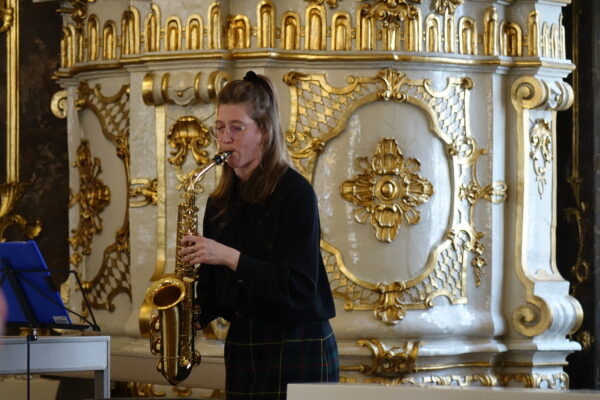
[(259, 254)]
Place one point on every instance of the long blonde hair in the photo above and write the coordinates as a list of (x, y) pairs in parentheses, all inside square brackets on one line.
[(257, 95)]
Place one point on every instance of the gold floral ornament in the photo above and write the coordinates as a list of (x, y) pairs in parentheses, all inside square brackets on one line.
[(540, 139), (387, 190), (93, 197)]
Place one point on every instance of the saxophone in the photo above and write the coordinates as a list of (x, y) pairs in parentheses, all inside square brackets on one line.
[(172, 328)]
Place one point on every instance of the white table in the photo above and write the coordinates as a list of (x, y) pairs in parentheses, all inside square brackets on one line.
[(50, 354)]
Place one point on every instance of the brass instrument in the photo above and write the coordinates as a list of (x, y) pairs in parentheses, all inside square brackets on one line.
[(172, 329)]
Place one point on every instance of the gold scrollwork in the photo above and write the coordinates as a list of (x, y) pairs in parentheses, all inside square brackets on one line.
[(58, 104), (540, 141), (10, 194), (387, 190), (390, 361), (112, 112), (142, 192), (188, 134), (6, 15), (320, 113), (92, 198)]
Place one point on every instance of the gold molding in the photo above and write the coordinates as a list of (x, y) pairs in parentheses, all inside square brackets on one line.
[(11, 191), (524, 380), (532, 96), (312, 126), (360, 35)]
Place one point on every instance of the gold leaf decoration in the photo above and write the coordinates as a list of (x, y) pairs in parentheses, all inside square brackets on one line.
[(387, 190)]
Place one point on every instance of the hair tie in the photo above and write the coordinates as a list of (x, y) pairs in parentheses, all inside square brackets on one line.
[(252, 78)]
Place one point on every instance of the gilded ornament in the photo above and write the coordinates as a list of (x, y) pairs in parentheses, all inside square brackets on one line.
[(387, 190), (185, 135), (113, 276), (586, 340), (390, 361), (312, 127), (540, 142), (142, 192), (447, 6), (6, 15), (392, 12), (139, 389), (10, 195), (92, 198), (78, 11)]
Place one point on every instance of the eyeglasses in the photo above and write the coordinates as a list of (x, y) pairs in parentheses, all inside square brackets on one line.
[(234, 130)]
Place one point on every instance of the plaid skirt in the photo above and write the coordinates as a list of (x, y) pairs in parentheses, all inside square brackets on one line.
[(261, 358)]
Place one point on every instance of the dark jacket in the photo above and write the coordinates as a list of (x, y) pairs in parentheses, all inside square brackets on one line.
[(280, 275)]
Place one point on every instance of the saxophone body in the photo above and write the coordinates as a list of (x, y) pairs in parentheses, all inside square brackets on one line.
[(172, 328)]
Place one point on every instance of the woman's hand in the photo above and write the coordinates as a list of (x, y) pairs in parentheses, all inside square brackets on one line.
[(198, 250)]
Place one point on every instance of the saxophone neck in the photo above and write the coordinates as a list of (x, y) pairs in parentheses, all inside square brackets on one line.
[(218, 159)]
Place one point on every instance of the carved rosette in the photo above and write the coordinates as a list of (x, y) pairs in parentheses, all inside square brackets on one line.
[(320, 113), (387, 190)]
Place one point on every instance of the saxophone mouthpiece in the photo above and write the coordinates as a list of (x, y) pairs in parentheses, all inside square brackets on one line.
[(220, 158)]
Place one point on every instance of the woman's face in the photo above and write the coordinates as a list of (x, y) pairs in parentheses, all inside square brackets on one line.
[(237, 132)]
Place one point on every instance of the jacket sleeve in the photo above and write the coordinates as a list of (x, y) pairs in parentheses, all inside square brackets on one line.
[(291, 277)]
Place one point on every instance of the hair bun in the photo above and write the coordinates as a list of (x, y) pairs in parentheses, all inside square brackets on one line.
[(252, 77)]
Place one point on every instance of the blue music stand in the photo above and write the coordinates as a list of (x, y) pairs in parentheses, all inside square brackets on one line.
[(33, 299)]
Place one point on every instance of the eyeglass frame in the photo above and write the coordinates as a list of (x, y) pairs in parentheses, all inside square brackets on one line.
[(218, 132)]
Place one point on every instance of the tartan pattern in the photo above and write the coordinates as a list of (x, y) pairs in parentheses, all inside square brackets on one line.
[(261, 358)]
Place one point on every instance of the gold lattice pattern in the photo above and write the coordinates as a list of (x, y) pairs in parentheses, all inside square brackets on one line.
[(320, 112), (113, 276)]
